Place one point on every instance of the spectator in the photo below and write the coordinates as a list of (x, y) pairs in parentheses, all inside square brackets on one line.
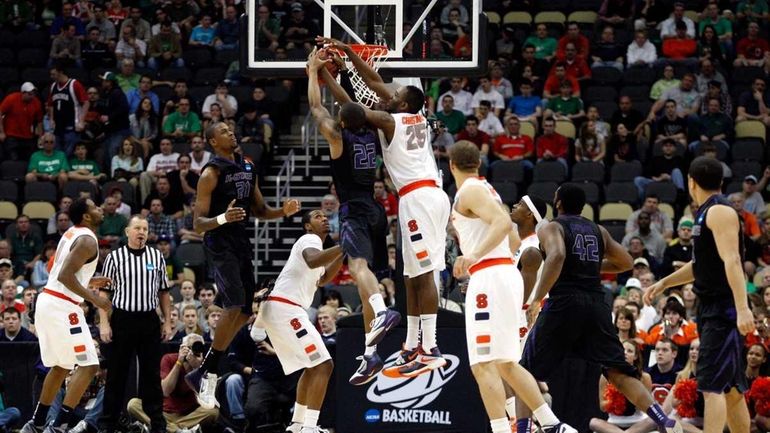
[(182, 124), (160, 224), (659, 220), (472, 133), (490, 123), (641, 52), (187, 291), (67, 105), (752, 105), (17, 15), (565, 106), (63, 223), (751, 49), (161, 17), (674, 325), (455, 27), (617, 13), (130, 47), (8, 289), (189, 323), (751, 11), (122, 208), (66, 17), (621, 146), (531, 68), (671, 126), (181, 410), (126, 165), (206, 295), (668, 167), (299, 31), (105, 27), (606, 52), (63, 206), (602, 127), (182, 180), (651, 239), (664, 372), (142, 28), (629, 116), (552, 146), (463, 16), (453, 119), (754, 202), (512, 146), (710, 48), (22, 118), (715, 92), (331, 208), (666, 82), (174, 267), (116, 12), (386, 199), (12, 329), (114, 115), (216, 115), (229, 30), (135, 96), (198, 155), (39, 277), (82, 168), (545, 46), (95, 52), (581, 43), (182, 13), (552, 87), (485, 92), (144, 125), (723, 26), (681, 48), (26, 245), (686, 97), (113, 225), (505, 45), (213, 314), (589, 146), (165, 49), (127, 78), (65, 48), (575, 66), (173, 204), (525, 106), (668, 27), (715, 128), (462, 98), (710, 151), (221, 96), (203, 34), (679, 251), (48, 164), (159, 164), (749, 220), (499, 82), (185, 231)]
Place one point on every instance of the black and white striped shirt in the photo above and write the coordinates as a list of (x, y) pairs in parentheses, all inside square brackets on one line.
[(137, 278)]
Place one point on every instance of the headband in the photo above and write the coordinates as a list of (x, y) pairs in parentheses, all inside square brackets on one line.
[(532, 208)]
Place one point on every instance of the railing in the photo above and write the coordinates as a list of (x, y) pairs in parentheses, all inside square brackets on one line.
[(309, 129)]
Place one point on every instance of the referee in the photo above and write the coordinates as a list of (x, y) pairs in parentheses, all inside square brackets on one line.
[(138, 275)]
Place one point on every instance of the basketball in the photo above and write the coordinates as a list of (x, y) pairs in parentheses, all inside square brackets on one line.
[(332, 67)]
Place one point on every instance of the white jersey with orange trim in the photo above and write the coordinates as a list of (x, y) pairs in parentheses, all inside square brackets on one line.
[(472, 231), (297, 281), (530, 241), (409, 155), (84, 274)]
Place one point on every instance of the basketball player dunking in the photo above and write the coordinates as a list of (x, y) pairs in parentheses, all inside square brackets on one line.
[(423, 209), (227, 194), (576, 317), (495, 293), (723, 315), (353, 150), (61, 326)]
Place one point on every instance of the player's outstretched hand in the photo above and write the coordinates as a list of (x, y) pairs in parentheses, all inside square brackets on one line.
[(652, 292), (335, 43), (291, 206), (234, 213), (314, 61), (462, 263), (745, 321), (105, 332), (532, 312)]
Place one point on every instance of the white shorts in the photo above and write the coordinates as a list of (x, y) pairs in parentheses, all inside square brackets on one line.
[(423, 215), (295, 339), (65, 340), (492, 310)]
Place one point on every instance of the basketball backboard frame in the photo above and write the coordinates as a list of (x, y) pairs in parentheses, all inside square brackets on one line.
[(394, 66)]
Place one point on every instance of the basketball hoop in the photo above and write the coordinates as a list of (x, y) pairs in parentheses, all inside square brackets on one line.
[(373, 55)]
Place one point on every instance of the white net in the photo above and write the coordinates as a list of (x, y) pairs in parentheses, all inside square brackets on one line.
[(374, 55)]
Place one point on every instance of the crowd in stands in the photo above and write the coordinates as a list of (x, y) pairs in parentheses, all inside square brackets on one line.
[(110, 100)]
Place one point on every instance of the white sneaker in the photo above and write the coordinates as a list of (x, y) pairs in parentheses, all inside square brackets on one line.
[(294, 428), (79, 427), (207, 398), (138, 426), (194, 429), (313, 430)]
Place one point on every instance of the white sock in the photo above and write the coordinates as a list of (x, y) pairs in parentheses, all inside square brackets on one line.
[(500, 425), (545, 416), (412, 332), (299, 413), (377, 303), (510, 407), (428, 323), (311, 418), (370, 350)]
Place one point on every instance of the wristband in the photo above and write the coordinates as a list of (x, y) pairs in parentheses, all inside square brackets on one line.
[(222, 218), (179, 363)]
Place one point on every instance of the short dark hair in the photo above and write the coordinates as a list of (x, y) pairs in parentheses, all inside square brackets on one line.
[(183, 155), (211, 130), (525, 82), (572, 198), (674, 306), (707, 173), (471, 118), (414, 98), (78, 209), (11, 310), (652, 195), (485, 104), (306, 217), (670, 342), (465, 156), (353, 115)]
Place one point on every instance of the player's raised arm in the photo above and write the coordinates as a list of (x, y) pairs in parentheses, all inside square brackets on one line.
[(326, 123), (616, 258), (372, 79), (726, 227), (479, 202), (83, 251), (206, 185)]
